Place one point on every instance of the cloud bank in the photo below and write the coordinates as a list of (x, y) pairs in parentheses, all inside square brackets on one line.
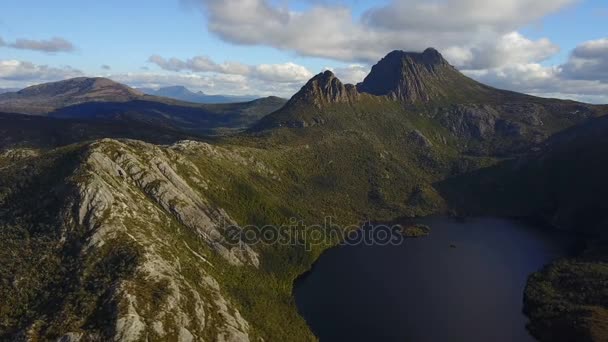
[(55, 44), (20, 72), (282, 73), (482, 38), (473, 33)]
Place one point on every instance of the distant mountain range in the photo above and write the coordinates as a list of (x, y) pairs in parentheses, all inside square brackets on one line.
[(103, 99), (184, 94)]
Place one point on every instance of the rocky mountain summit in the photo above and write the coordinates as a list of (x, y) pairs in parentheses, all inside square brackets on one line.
[(323, 89), (417, 78), (482, 119)]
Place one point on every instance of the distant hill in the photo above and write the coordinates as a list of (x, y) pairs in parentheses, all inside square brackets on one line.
[(19, 130), (184, 94), (101, 98), (8, 90), (44, 98)]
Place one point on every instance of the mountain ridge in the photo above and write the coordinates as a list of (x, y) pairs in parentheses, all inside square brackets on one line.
[(45, 97), (413, 78), (101, 98), (182, 93), (424, 83), (121, 239)]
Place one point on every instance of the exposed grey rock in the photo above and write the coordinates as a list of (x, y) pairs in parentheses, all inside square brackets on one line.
[(132, 188), (325, 88), (470, 121), (419, 139), (157, 179), (70, 337)]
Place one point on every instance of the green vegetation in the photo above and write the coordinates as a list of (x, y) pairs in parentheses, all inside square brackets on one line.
[(567, 301), (94, 232), (416, 231)]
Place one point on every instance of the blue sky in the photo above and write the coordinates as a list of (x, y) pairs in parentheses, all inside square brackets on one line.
[(123, 34), (299, 38)]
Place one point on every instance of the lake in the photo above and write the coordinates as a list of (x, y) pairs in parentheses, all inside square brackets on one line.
[(463, 282)]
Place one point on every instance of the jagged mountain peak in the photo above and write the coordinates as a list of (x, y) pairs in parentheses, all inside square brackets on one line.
[(324, 88), (429, 57), (417, 77)]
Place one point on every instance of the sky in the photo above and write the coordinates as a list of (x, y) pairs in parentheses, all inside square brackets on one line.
[(552, 48)]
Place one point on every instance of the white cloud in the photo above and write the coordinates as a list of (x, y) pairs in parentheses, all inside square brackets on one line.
[(509, 49), (353, 73), (589, 61), (209, 83), (21, 72), (542, 81), (55, 44), (461, 15), (477, 33), (281, 73), (584, 76)]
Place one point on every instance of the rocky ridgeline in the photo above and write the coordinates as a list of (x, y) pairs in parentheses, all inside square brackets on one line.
[(410, 77), (323, 89), (143, 201), (134, 188), (424, 83)]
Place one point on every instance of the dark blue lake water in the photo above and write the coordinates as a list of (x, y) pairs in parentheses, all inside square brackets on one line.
[(427, 290)]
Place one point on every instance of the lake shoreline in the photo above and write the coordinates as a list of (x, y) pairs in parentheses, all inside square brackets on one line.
[(527, 223)]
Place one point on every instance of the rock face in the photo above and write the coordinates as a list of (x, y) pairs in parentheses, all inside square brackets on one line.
[(415, 77), (137, 240), (325, 88), (468, 121), (307, 107)]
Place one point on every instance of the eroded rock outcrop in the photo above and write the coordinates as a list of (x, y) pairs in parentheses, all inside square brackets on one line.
[(323, 89)]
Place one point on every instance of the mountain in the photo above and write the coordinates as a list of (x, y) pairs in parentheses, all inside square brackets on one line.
[(121, 239), (425, 77), (100, 98), (184, 94), (484, 120), (46, 97), (302, 109)]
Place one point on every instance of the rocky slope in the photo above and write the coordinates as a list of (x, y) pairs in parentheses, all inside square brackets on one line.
[(420, 78), (125, 251)]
